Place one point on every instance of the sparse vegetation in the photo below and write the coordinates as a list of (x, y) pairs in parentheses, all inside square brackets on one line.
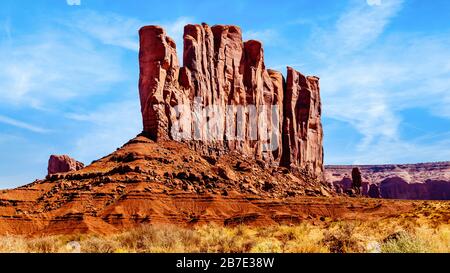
[(343, 237)]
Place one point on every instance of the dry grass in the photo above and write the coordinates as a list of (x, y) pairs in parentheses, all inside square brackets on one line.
[(391, 235)]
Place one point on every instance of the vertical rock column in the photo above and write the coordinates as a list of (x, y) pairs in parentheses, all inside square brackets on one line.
[(158, 79), (302, 128)]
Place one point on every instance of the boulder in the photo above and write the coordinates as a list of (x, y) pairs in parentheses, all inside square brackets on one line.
[(63, 164)]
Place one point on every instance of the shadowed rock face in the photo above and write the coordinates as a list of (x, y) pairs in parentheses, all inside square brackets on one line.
[(63, 164), (374, 191), (249, 108), (397, 188), (424, 181)]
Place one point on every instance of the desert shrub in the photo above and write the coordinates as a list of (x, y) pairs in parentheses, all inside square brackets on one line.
[(342, 238), (12, 244), (171, 239), (438, 239), (50, 244), (159, 238), (96, 244), (134, 240), (403, 242), (339, 237), (270, 245), (422, 239), (237, 239), (216, 239), (305, 238)]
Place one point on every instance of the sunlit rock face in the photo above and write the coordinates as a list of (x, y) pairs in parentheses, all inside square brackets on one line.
[(223, 99)]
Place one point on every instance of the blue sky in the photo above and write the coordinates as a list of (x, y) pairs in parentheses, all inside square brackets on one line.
[(69, 73)]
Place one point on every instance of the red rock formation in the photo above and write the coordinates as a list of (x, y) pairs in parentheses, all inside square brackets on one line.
[(159, 75), (224, 99), (374, 191), (403, 181), (63, 164), (302, 128)]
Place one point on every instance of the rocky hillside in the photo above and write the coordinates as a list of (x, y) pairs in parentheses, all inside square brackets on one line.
[(147, 182), (402, 181)]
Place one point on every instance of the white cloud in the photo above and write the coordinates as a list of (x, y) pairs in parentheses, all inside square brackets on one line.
[(373, 2), (73, 2), (370, 90), (111, 125), (117, 30), (175, 30), (389, 151), (266, 36), (6, 28), (22, 125), (368, 77), (357, 28), (110, 29), (49, 66)]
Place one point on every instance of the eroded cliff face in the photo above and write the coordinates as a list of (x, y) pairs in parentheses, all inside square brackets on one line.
[(302, 127), (224, 99)]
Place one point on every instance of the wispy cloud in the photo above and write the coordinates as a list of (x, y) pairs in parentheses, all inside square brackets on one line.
[(117, 30), (368, 76), (6, 28), (73, 2), (357, 28), (110, 29), (267, 36), (110, 126), (22, 125), (354, 88), (51, 66), (175, 30), (370, 90)]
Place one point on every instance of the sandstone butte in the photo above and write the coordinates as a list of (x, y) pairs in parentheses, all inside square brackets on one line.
[(221, 70), (153, 179)]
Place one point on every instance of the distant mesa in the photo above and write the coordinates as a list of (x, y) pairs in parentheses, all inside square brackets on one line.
[(422, 181)]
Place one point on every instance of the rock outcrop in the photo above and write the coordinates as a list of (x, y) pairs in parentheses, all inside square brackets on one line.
[(223, 99), (302, 127), (421, 181), (374, 191), (63, 164)]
